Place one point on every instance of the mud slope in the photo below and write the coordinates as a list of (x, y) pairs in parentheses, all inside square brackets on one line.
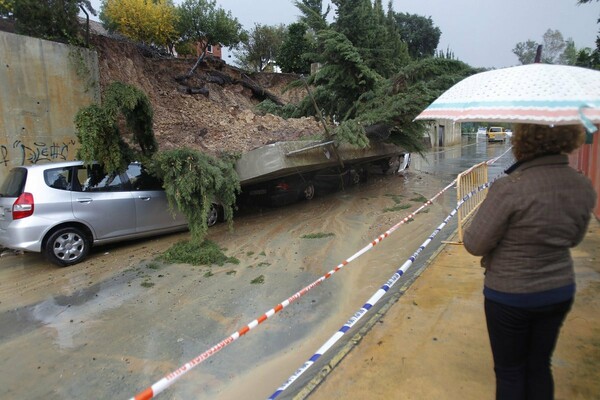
[(222, 120)]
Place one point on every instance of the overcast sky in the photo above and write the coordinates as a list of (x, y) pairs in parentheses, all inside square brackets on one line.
[(481, 33)]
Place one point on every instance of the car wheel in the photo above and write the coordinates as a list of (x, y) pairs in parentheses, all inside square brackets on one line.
[(67, 246), (390, 166), (355, 176), (309, 191), (213, 215)]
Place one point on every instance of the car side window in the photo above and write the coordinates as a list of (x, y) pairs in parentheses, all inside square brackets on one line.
[(58, 178), (92, 178), (140, 179)]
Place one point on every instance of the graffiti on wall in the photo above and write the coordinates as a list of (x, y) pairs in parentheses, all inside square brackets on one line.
[(21, 153)]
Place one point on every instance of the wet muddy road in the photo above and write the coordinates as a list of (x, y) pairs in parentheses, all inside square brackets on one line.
[(113, 325)]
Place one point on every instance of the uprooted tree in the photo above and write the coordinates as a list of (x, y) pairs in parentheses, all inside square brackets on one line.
[(369, 86), (120, 131), (201, 21)]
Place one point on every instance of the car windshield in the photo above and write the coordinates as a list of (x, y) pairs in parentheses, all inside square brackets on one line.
[(14, 183)]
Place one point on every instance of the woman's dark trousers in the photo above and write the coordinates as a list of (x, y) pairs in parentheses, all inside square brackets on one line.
[(522, 341)]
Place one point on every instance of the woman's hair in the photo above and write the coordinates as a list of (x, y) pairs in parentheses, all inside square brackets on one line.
[(530, 141)]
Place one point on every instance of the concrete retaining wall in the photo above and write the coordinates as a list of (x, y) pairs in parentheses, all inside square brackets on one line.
[(42, 86)]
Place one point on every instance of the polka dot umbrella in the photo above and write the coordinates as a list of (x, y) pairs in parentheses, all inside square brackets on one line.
[(534, 93)]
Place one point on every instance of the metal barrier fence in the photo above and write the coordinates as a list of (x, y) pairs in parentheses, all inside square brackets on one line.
[(467, 182)]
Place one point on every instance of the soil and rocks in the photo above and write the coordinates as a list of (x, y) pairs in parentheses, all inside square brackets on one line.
[(214, 110)]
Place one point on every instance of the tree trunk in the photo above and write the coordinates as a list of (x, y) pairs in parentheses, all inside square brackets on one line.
[(199, 61)]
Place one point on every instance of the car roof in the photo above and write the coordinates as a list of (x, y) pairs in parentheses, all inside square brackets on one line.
[(51, 165)]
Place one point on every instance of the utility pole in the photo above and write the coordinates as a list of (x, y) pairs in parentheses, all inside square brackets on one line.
[(538, 55)]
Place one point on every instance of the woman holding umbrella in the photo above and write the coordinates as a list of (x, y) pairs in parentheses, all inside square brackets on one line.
[(523, 231)]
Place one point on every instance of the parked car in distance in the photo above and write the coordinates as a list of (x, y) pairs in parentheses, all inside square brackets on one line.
[(62, 209), (335, 178), (389, 166), (280, 191), (496, 134), (482, 130), (305, 185)]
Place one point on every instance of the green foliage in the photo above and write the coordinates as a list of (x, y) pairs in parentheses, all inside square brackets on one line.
[(293, 55), (151, 22), (100, 139), (419, 199), (588, 58), (48, 19), (286, 111), (137, 110), (525, 51), (352, 132), (319, 235), (363, 103), (375, 37), (419, 33), (99, 135), (79, 60), (261, 47), (398, 198), (554, 46), (448, 54), (263, 264), (398, 207), (202, 21), (185, 48), (343, 78), (312, 14), (399, 100), (258, 280), (193, 181), (569, 55), (153, 265), (7, 8), (190, 252), (555, 49)]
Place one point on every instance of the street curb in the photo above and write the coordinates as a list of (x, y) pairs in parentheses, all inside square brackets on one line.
[(357, 338)]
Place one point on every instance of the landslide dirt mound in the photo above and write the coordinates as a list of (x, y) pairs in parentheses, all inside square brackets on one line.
[(213, 111)]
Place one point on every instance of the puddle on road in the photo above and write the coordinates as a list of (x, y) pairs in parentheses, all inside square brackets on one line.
[(64, 315)]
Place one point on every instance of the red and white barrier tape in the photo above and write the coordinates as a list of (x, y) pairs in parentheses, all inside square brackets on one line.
[(172, 377)]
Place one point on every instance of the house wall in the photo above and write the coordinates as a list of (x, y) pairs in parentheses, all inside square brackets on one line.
[(215, 51), (40, 93), (444, 132), (587, 160)]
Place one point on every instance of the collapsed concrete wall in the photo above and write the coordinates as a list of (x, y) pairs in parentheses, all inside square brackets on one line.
[(42, 86)]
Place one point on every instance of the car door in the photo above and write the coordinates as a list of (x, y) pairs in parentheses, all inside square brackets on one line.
[(104, 202), (151, 205)]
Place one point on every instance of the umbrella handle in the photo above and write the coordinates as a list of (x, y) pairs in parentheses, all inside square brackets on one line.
[(589, 126)]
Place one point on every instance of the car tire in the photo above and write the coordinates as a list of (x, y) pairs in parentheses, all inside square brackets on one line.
[(355, 176), (67, 246), (213, 215), (309, 191)]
